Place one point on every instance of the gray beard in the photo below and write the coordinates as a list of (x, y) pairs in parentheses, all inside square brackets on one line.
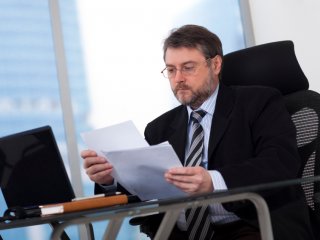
[(199, 96)]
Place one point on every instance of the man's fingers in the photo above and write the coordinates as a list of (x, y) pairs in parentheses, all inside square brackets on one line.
[(183, 171), (88, 153), (178, 178), (100, 174), (95, 168), (102, 177), (89, 161), (186, 187)]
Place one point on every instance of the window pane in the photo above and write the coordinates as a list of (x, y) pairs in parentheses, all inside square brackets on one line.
[(28, 79)]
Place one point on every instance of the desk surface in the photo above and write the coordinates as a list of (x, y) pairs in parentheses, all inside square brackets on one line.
[(131, 209), (135, 209)]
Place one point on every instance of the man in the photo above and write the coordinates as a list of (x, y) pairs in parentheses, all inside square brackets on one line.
[(243, 136)]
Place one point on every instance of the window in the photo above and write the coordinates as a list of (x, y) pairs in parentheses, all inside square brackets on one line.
[(114, 58)]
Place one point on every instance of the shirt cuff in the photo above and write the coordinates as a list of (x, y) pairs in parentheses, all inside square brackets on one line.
[(217, 181), (110, 187)]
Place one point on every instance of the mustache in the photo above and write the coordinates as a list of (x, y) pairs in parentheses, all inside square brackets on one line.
[(181, 86)]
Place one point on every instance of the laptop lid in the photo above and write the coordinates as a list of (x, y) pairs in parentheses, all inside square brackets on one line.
[(32, 171)]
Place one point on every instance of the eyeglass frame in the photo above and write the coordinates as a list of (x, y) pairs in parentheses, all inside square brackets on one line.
[(182, 71)]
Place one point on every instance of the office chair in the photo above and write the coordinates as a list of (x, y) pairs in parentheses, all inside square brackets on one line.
[(275, 65)]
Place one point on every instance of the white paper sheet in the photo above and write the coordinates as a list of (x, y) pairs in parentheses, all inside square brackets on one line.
[(124, 135), (142, 171), (137, 166)]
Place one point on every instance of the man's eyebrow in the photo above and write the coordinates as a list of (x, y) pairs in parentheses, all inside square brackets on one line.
[(184, 63)]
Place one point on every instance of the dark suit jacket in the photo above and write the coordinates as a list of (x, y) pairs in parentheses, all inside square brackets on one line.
[(252, 141)]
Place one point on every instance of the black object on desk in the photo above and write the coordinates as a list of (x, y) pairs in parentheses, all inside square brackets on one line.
[(32, 170)]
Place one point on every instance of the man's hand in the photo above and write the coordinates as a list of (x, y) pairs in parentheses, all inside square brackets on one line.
[(192, 180), (97, 168)]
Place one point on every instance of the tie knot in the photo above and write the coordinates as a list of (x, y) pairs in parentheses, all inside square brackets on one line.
[(197, 116)]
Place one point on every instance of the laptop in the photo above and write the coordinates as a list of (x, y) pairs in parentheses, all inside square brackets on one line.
[(32, 171)]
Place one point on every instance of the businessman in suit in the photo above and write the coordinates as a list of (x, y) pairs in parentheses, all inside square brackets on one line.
[(247, 138)]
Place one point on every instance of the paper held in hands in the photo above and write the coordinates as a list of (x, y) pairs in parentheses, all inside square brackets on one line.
[(137, 166)]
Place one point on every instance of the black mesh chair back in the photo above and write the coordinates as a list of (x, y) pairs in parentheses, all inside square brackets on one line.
[(275, 65)]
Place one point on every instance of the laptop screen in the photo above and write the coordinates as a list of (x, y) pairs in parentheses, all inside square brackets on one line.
[(32, 170)]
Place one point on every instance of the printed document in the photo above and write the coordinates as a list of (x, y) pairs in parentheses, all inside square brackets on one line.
[(138, 167)]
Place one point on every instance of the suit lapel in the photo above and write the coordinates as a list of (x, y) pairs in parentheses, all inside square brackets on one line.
[(221, 117), (178, 137)]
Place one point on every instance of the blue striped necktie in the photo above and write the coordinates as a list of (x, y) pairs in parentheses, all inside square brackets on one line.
[(199, 226)]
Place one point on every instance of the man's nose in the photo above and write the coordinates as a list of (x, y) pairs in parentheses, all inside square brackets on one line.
[(179, 77)]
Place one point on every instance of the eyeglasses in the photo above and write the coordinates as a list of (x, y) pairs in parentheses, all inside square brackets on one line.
[(188, 69)]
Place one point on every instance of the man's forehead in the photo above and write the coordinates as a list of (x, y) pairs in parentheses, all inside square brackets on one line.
[(182, 55)]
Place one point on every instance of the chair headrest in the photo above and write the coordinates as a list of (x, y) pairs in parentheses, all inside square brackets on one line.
[(272, 64)]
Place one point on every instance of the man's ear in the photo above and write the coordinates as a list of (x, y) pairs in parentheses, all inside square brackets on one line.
[(216, 64)]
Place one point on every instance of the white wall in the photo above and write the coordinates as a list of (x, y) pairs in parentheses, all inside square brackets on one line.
[(296, 20)]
